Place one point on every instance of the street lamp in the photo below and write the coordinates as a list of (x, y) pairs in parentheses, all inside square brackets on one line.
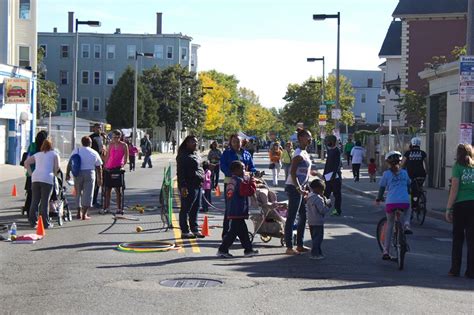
[(74, 79), (323, 95), (322, 17), (135, 99)]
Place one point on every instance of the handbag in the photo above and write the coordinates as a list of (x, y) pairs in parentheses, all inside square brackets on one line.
[(271, 166)]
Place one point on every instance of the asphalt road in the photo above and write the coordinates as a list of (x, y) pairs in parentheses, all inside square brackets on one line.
[(77, 269)]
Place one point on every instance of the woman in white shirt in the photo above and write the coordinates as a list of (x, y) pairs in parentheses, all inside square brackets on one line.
[(91, 168), (42, 178), (357, 154)]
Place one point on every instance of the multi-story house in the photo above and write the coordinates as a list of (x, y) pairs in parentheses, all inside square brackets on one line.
[(17, 79), (102, 58)]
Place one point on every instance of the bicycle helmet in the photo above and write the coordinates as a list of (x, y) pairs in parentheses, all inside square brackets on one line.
[(393, 157), (415, 142)]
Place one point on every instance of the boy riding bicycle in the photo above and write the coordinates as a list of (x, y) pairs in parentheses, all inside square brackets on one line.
[(397, 183)]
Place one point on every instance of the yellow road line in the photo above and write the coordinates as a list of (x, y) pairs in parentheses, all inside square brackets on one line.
[(177, 234)]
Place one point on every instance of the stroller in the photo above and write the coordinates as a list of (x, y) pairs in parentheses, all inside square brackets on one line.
[(58, 206), (270, 221)]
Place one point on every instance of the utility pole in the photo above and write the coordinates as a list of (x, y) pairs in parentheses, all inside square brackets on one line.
[(467, 106)]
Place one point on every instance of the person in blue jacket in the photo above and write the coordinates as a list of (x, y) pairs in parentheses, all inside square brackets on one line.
[(234, 152)]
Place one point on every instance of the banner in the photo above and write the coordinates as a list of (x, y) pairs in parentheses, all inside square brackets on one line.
[(17, 91), (167, 195)]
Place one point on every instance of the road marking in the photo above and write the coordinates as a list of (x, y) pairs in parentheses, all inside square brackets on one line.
[(194, 246), (443, 239), (177, 235)]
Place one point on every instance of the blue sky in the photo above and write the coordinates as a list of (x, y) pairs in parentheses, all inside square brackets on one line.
[(264, 43)]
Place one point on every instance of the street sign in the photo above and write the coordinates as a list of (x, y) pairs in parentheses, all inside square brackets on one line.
[(322, 123), (329, 102), (465, 133), (323, 117), (322, 109), (336, 114), (466, 79)]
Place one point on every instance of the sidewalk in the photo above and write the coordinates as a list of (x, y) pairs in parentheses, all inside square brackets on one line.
[(436, 198)]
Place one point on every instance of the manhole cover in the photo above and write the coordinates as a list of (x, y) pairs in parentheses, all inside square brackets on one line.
[(191, 283)]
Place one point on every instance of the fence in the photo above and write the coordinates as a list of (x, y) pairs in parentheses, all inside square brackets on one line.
[(61, 140)]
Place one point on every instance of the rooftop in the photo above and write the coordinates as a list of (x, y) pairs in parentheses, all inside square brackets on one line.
[(429, 7), (392, 44)]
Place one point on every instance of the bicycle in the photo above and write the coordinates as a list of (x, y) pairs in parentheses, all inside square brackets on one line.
[(418, 196), (399, 242)]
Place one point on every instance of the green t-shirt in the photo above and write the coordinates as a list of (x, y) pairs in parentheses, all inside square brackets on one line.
[(348, 147), (466, 182)]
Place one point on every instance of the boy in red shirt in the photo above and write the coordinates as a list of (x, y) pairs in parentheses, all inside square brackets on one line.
[(372, 170)]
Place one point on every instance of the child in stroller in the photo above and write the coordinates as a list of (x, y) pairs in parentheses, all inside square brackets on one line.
[(58, 206)]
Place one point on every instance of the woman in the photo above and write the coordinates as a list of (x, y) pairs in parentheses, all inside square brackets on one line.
[(286, 157), (42, 180), (460, 210), (275, 162), (91, 168), (357, 156), (190, 177), (232, 153), (296, 188), (213, 157), (116, 158)]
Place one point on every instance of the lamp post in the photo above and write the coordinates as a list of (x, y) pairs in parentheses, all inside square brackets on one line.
[(178, 127), (74, 79), (323, 95), (135, 98), (321, 17)]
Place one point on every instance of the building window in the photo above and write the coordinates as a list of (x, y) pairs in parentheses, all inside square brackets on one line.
[(96, 104), (85, 104), (193, 60), (86, 50), (158, 51), (363, 98), (63, 77), (110, 51), (184, 53), (169, 52), (44, 47), (25, 9), (110, 77), (131, 50), (370, 83), (379, 117), (64, 51), (97, 51), (85, 77), (96, 77), (63, 104), (24, 56)]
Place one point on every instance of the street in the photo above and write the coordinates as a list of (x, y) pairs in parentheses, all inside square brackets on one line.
[(77, 269)]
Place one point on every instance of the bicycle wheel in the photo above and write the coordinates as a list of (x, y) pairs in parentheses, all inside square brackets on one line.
[(401, 245), (421, 213), (381, 226)]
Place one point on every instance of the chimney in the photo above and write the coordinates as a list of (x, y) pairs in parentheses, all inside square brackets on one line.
[(159, 22), (117, 31), (70, 27), (55, 29)]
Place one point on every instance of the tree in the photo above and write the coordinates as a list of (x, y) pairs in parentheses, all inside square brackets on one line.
[(47, 90), (413, 106), (120, 107)]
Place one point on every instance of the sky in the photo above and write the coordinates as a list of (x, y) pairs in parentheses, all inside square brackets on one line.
[(264, 43)]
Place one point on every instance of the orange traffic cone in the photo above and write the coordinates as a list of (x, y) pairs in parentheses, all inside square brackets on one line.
[(205, 227), (40, 229), (14, 191), (217, 191)]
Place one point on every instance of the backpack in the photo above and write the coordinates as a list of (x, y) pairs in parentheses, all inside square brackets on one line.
[(75, 161)]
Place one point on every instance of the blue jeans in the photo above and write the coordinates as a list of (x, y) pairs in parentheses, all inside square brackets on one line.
[(189, 208), (296, 205), (317, 236)]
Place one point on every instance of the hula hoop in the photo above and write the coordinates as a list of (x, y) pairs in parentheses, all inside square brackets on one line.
[(147, 247)]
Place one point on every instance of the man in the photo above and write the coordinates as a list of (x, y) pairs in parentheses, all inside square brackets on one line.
[(99, 147), (332, 173), (347, 150), (146, 149), (173, 145), (414, 160)]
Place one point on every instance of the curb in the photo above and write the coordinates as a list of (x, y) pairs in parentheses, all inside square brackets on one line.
[(434, 214)]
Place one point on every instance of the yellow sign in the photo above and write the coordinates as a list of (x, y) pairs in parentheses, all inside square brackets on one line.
[(17, 91), (323, 117)]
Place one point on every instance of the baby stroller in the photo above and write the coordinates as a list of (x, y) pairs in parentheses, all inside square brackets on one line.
[(270, 221), (58, 206)]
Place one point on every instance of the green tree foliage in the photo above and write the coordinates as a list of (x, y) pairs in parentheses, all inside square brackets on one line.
[(413, 106), (47, 90), (120, 106)]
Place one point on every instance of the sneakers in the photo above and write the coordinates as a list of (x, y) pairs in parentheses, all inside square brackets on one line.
[(302, 249), (385, 256), (335, 213), (250, 253), (198, 235), (317, 257), (188, 235), (408, 231), (104, 211), (223, 255), (292, 251)]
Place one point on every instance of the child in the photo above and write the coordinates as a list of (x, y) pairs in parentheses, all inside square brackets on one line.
[(206, 186), (397, 183), (317, 206), (238, 189), (372, 170), (132, 153)]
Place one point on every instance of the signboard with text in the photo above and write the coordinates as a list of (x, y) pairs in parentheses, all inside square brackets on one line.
[(336, 114), (466, 79), (465, 133), (17, 91)]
